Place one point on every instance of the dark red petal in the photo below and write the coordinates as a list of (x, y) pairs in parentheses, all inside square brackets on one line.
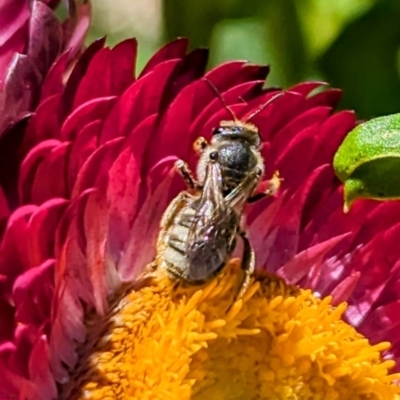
[(14, 258), (45, 37), (21, 91), (97, 166), (305, 88), (82, 148), (142, 140), (86, 113), (189, 69), (76, 75), (53, 83), (122, 119), (171, 51), (174, 129), (51, 175), (332, 133), (15, 44), (30, 166), (330, 97), (7, 314), (44, 123), (123, 64), (298, 124), (138, 253)]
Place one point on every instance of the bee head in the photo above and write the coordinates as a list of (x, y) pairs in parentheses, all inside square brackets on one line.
[(237, 130)]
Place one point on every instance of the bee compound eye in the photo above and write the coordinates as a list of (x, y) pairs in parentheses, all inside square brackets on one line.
[(214, 155), (216, 130)]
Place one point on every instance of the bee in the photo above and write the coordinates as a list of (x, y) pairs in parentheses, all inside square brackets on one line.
[(238, 144), (200, 227)]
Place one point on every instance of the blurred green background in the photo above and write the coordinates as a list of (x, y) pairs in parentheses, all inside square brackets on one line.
[(352, 44)]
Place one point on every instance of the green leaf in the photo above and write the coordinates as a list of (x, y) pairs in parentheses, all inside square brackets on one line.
[(368, 161)]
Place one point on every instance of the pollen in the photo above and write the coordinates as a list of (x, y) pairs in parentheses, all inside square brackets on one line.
[(277, 342)]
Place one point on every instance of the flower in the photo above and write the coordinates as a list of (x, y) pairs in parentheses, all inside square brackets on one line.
[(276, 342), (76, 239)]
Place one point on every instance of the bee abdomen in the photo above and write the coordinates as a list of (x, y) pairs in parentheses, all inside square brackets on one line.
[(176, 243)]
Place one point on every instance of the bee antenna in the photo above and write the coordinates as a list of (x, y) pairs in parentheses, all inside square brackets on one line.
[(219, 95), (259, 109)]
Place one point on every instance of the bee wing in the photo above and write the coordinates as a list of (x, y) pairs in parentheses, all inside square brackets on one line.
[(237, 198), (212, 233)]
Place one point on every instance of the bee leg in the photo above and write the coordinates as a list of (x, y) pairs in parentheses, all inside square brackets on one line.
[(248, 265), (267, 188), (200, 144), (185, 172)]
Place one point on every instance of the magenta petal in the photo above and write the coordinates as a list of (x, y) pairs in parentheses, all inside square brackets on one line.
[(123, 198), (33, 292), (308, 260), (345, 288), (13, 15), (76, 27), (40, 371), (42, 225), (102, 275)]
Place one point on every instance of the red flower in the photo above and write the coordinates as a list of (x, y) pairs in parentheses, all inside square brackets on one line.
[(96, 176)]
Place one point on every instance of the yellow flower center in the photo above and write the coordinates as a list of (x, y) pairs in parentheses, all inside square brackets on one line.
[(277, 342)]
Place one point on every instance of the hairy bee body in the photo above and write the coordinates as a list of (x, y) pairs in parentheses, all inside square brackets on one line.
[(238, 148), (198, 232)]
